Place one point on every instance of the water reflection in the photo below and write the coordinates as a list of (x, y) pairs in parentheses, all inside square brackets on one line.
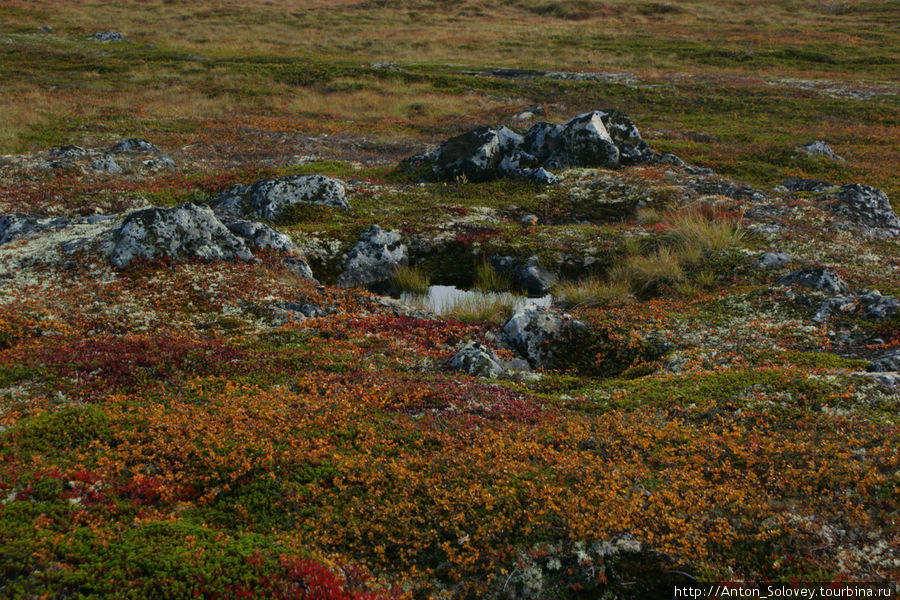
[(441, 299)]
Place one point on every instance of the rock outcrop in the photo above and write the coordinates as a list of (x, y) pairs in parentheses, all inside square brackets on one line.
[(374, 258), (817, 279), (18, 225), (867, 208), (191, 232), (606, 139), (869, 305), (272, 198)]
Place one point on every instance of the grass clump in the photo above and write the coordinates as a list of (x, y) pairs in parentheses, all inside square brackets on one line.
[(592, 291), (482, 309), (411, 279), (646, 274), (696, 231), (487, 279)]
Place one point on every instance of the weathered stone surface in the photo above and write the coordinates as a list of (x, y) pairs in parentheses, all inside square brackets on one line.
[(795, 184), (532, 331), (476, 155), (866, 207), (136, 145), (181, 233), (271, 198), (773, 260), (108, 36), (887, 362), (231, 201), (536, 280), (68, 152), (18, 225), (258, 235), (820, 148), (374, 258), (816, 279), (869, 305), (106, 165), (593, 139), (477, 359)]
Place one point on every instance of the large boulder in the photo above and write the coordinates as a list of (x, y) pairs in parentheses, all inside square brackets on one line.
[(818, 279), (374, 259), (866, 207), (625, 135), (271, 198), (582, 141), (477, 359), (182, 232), (231, 201), (475, 155), (18, 225), (532, 331)]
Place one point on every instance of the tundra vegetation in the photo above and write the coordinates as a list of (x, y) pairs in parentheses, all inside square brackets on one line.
[(200, 401)]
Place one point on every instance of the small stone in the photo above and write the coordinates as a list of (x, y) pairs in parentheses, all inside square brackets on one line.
[(773, 260), (820, 148), (476, 359)]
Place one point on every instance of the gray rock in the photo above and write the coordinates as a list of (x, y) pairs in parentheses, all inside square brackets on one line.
[(270, 198), (163, 162), (183, 232), (133, 145), (773, 260), (512, 166), (108, 36), (536, 280), (232, 201), (258, 235), (886, 362), (69, 152), (625, 135), (374, 259), (888, 379), (477, 359), (867, 207), (475, 155), (106, 165), (298, 266), (816, 279), (532, 331), (870, 305), (795, 184), (582, 141), (820, 148), (18, 225)]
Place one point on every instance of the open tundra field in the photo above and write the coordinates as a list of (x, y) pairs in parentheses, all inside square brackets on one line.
[(232, 364)]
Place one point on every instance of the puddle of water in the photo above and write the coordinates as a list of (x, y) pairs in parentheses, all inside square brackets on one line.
[(441, 299)]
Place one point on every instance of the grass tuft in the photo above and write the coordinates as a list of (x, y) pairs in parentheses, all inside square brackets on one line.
[(592, 291), (411, 279)]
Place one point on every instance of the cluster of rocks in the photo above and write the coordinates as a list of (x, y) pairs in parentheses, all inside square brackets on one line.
[(868, 304), (189, 231), (531, 332), (865, 208), (14, 226), (606, 139), (128, 154)]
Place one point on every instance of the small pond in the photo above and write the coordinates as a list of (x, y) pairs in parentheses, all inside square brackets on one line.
[(441, 299)]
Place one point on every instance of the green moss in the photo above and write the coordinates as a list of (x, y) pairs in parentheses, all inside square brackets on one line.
[(60, 432)]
